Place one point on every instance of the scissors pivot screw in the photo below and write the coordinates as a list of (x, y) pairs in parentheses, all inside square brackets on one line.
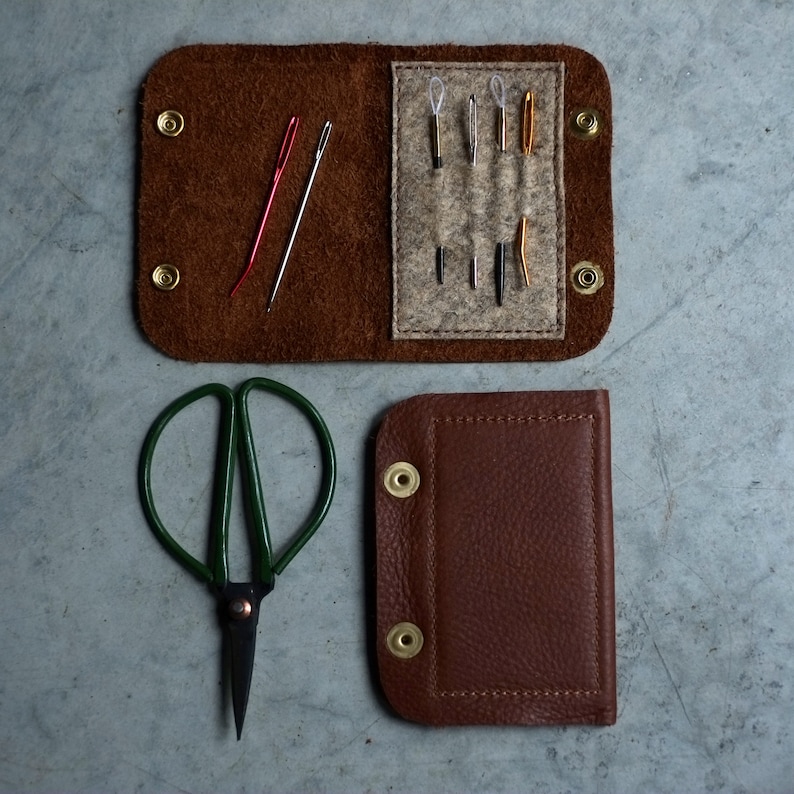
[(240, 609), (170, 123)]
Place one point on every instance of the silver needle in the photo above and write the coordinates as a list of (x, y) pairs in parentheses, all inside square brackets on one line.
[(473, 129), (323, 142)]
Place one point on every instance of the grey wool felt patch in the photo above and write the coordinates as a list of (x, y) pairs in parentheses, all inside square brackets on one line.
[(470, 209)]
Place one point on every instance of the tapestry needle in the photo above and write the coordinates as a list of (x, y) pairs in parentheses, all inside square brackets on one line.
[(499, 271), (498, 91), (283, 156), (440, 257), (323, 142), (528, 127), (522, 247), (473, 129), (435, 106)]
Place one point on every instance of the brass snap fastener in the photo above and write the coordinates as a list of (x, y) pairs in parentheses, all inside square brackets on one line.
[(165, 277), (401, 479), (587, 123), (170, 123), (405, 640), (587, 278)]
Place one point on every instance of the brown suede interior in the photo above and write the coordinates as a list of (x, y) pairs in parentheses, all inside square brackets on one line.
[(201, 195)]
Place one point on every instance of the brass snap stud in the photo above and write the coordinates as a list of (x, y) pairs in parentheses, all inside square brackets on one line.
[(587, 278), (586, 123), (401, 479), (170, 123), (165, 277), (405, 640)]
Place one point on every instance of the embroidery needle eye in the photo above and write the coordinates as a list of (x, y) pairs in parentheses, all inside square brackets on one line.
[(283, 156), (473, 129), (498, 91), (435, 106), (323, 142), (528, 127)]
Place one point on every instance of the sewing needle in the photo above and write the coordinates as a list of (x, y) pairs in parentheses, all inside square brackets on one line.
[(522, 247), (323, 142), (473, 129), (498, 91), (283, 156), (528, 122), (499, 272), (436, 101)]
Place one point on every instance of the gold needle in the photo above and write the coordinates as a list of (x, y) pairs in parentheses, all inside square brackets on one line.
[(528, 127), (522, 247)]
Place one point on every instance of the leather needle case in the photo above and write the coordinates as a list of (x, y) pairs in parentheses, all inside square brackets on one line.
[(363, 281), (495, 578)]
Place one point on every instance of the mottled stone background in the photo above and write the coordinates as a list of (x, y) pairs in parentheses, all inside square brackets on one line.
[(109, 652)]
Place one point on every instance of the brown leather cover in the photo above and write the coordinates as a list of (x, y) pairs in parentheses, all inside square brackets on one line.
[(200, 195), (503, 558)]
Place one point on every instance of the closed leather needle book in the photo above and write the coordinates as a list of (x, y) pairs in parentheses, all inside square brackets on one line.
[(495, 578)]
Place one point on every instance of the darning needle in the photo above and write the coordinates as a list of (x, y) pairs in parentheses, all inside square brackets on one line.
[(473, 129), (528, 126), (498, 91), (283, 156), (435, 106), (522, 246), (499, 272), (323, 142)]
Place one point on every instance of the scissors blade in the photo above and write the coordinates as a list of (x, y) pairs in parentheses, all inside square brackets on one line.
[(241, 606)]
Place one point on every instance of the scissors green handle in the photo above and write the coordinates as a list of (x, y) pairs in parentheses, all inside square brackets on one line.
[(235, 433), (240, 601)]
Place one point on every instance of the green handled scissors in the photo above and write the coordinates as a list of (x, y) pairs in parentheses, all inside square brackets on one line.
[(239, 600)]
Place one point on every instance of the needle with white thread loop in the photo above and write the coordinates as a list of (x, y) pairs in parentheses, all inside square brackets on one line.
[(473, 129), (435, 106), (498, 91)]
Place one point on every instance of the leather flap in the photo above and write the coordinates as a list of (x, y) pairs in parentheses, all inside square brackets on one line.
[(501, 559)]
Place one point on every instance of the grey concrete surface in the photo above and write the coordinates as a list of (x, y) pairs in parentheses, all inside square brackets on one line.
[(109, 653)]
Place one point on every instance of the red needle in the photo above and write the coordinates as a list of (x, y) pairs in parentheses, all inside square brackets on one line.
[(283, 156)]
